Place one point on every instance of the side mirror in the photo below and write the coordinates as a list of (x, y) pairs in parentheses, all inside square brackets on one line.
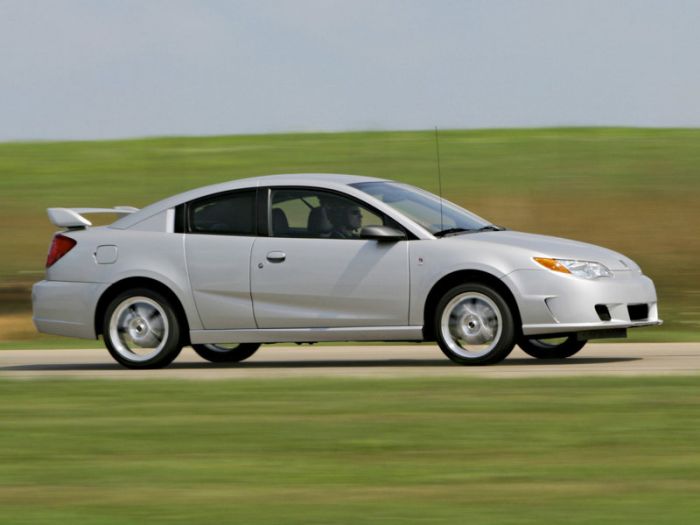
[(382, 234)]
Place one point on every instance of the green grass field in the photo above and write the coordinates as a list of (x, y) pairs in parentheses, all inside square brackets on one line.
[(580, 451), (632, 190)]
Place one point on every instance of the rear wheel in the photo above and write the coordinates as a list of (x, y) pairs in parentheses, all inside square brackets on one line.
[(474, 325), (551, 348), (141, 329), (226, 353)]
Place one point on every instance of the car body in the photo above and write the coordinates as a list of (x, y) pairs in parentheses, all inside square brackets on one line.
[(263, 260)]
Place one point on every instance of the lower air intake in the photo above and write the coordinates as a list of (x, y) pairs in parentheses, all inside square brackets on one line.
[(638, 312), (602, 312)]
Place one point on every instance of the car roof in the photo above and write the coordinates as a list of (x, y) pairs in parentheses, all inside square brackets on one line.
[(337, 178), (322, 180)]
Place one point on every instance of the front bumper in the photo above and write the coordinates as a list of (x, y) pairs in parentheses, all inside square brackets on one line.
[(65, 308), (554, 303)]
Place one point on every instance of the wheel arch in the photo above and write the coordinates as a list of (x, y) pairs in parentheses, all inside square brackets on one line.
[(453, 279), (142, 282)]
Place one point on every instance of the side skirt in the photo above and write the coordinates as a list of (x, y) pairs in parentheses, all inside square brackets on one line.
[(309, 335)]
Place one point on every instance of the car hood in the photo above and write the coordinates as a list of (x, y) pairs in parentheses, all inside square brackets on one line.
[(555, 247)]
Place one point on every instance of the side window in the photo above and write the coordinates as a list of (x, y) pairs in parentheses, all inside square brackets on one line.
[(223, 214), (320, 214)]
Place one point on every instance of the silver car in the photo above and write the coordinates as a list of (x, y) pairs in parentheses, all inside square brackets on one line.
[(317, 257)]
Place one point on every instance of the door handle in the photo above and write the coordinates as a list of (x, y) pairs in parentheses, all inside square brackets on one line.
[(276, 257)]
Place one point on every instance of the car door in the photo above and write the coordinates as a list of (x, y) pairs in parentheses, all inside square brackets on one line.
[(219, 235), (310, 273)]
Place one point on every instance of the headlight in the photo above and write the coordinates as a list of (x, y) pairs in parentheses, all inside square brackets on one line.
[(584, 269)]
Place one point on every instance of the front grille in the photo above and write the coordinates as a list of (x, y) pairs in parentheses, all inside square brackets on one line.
[(602, 312), (638, 312)]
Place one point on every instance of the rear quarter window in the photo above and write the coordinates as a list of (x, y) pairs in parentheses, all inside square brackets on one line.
[(225, 214)]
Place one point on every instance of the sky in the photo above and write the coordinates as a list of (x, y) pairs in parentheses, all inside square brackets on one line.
[(114, 69)]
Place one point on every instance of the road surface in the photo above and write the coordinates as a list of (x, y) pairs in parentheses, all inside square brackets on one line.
[(274, 361)]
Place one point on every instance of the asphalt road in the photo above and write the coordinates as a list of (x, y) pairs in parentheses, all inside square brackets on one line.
[(621, 359)]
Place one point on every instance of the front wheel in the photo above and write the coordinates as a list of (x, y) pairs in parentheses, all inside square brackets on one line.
[(226, 353), (474, 325), (141, 329), (551, 348)]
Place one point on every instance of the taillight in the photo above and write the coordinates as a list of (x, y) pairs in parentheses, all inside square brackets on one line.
[(60, 246)]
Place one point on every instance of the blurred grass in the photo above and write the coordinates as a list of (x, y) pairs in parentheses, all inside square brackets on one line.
[(581, 451), (632, 190)]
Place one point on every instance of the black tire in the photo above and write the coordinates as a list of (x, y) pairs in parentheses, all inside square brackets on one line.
[(141, 330), (470, 313), (541, 349), (217, 353)]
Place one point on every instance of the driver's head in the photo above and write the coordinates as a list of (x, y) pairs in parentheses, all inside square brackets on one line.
[(354, 217), (345, 215)]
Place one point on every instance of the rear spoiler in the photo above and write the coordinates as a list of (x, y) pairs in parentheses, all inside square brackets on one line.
[(72, 218)]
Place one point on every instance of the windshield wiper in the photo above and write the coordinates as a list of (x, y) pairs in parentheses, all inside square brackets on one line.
[(451, 231), (490, 228), (455, 231)]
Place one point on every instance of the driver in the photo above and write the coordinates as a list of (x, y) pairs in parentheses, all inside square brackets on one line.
[(346, 219)]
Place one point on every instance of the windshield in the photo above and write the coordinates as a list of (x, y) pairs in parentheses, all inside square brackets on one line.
[(424, 208)]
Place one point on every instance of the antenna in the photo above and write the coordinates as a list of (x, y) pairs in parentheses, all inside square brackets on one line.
[(437, 150)]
